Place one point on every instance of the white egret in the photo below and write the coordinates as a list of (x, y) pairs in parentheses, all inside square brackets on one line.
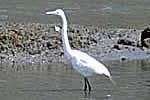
[(81, 61), (57, 29)]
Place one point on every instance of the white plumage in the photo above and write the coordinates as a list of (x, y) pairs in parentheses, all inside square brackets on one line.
[(57, 29), (81, 61), (86, 64)]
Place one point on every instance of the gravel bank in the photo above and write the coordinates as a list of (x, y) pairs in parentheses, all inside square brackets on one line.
[(34, 42)]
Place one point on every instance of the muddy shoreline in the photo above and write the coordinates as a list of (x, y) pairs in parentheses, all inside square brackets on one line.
[(36, 42)]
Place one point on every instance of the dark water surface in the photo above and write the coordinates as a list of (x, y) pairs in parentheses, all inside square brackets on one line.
[(119, 13), (58, 81)]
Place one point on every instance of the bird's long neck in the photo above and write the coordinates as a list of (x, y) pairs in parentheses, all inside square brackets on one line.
[(66, 45)]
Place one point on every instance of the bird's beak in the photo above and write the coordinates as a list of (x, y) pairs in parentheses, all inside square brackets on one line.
[(51, 13)]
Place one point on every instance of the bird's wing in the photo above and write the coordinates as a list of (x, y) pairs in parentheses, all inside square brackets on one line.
[(89, 62), (86, 60)]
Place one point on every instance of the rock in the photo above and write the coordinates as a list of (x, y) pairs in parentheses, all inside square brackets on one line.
[(2, 56), (147, 42), (34, 52), (126, 42), (78, 31), (123, 58), (116, 47), (144, 35), (35, 39)]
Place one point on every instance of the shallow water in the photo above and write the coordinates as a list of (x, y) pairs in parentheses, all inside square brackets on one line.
[(58, 81), (98, 12)]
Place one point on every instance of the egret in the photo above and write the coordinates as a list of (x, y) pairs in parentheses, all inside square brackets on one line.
[(81, 61), (57, 28)]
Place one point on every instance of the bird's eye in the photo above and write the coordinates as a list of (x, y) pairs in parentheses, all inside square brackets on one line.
[(57, 13)]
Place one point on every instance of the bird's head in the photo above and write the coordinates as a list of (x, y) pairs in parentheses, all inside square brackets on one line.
[(57, 28), (58, 12)]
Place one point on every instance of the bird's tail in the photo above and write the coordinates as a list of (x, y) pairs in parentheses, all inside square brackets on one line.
[(113, 82)]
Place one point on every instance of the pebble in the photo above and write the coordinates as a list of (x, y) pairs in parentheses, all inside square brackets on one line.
[(108, 95)]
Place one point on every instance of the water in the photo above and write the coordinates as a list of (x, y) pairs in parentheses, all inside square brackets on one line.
[(98, 12), (58, 81)]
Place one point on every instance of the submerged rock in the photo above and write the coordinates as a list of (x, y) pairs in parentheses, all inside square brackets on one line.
[(123, 58)]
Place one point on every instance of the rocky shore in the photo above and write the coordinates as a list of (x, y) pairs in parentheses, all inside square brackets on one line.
[(35, 42)]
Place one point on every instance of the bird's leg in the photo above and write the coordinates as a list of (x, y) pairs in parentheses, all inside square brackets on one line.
[(88, 84), (85, 85)]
